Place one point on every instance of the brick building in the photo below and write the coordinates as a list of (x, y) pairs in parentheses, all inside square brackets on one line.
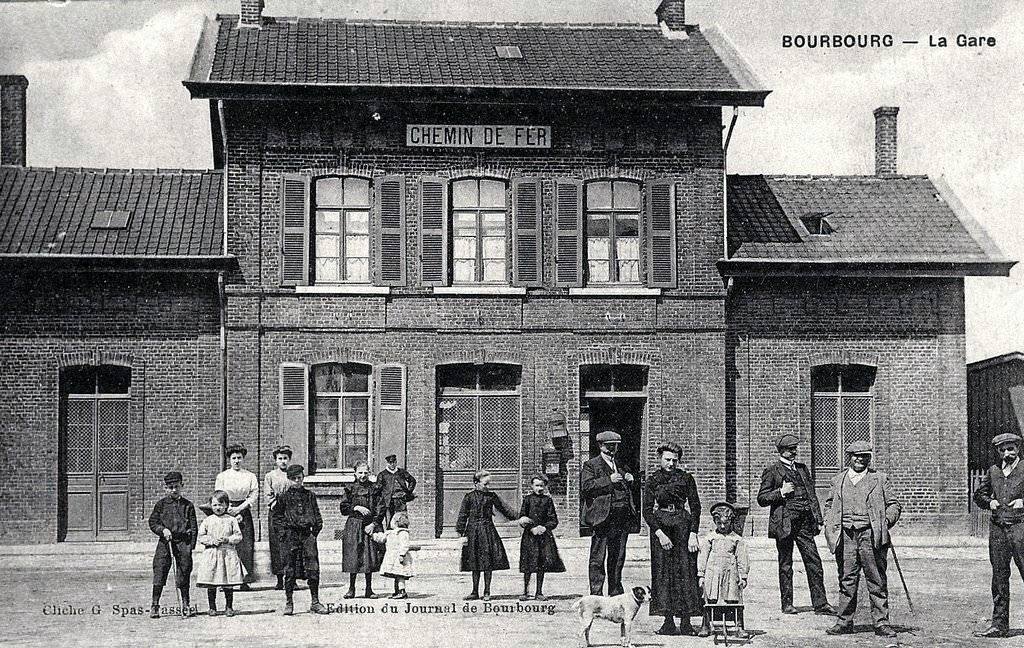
[(471, 245)]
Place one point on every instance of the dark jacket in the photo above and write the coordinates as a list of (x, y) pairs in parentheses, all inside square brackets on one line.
[(178, 515), (365, 494), (883, 509), (296, 510), (676, 488), (396, 486), (596, 490), (996, 486), (780, 518)]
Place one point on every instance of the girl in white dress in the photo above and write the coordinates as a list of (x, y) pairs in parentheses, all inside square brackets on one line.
[(397, 561), (219, 566)]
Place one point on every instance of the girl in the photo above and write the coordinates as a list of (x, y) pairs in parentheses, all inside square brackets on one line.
[(723, 565), (397, 561), (243, 489), (360, 501), (482, 550), (220, 566), (538, 553)]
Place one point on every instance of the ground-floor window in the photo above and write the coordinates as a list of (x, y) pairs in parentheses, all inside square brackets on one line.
[(341, 415), (843, 412)]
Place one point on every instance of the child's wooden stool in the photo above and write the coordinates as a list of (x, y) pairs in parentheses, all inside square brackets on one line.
[(725, 618)]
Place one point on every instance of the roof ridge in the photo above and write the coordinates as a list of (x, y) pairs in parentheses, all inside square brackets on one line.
[(842, 176), (457, 23), (114, 170)]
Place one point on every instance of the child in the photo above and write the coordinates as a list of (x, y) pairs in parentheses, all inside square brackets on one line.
[(482, 550), (275, 483), (220, 565), (397, 561), (722, 565), (360, 501), (538, 553), (173, 520), (298, 522)]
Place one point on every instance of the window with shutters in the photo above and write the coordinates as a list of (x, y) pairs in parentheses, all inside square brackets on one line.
[(479, 232), (341, 230), (612, 222), (340, 395), (843, 412)]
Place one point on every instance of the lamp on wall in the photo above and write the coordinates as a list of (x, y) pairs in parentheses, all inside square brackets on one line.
[(559, 433)]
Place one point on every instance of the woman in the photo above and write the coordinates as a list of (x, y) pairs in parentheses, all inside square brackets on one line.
[(361, 502), (672, 512), (243, 489)]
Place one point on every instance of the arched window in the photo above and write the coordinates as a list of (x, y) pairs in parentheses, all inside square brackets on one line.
[(843, 412), (341, 230), (479, 234), (341, 415), (613, 231)]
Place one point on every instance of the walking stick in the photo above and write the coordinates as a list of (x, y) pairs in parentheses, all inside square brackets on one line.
[(174, 571), (899, 571)]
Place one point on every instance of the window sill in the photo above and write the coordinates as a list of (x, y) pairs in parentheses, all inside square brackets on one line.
[(341, 289), (615, 291), (326, 479), (479, 290)]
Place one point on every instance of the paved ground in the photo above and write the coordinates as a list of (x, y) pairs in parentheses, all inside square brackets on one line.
[(949, 585)]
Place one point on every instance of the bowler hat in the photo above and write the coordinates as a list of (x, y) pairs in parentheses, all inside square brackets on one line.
[(293, 471), (787, 441), (1005, 437), (608, 436), (859, 447), (173, 477)]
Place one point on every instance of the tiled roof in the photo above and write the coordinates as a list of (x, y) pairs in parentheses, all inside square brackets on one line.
[(51, 211), (888, 219), (335, 52)]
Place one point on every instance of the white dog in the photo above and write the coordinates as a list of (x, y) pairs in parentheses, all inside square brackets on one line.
[(621, 609)]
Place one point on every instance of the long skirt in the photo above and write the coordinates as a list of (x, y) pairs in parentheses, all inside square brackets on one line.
[(483, 550), (246, 548), (298, 554), (359, 553), (674, 585), (539, 554), (277, 558)]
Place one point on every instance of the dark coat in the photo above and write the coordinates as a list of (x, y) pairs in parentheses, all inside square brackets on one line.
[(883, 509), (997, 486), (359, 553), (297, 523), (539, 553), (780, 518), (178, 515), (596, 490), (674, 585), (483, 550), (396, 488)]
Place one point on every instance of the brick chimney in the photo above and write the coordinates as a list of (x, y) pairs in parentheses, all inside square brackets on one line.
[(672, 13), (251, 13), (885, 140), (12, 119)]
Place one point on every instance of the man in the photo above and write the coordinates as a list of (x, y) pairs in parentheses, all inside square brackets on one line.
[(298, 522), (397, 486), (859, 512), (275, 483), (608, 509), (794, 519), (1002, 492)]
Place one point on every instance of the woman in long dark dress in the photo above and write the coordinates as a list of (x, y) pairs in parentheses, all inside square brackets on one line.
[(361, 502), (482, 549), (672, 512), (538, 553)]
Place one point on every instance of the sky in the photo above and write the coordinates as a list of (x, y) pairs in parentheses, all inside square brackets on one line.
[(105, 91)]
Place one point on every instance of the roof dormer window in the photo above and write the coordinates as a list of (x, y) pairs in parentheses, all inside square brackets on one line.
[(817, 224), (508, 51), (108, 219)]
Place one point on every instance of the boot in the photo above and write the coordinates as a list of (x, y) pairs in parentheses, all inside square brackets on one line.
[(154, 611), (316, 607), (289, 608), (280, 582), (705, 627)]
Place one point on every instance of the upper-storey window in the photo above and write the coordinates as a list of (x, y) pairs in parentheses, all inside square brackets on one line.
[(342, 230), (613, 231), (479, 234)]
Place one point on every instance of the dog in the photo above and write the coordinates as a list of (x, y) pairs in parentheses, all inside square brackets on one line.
[(621, 609)]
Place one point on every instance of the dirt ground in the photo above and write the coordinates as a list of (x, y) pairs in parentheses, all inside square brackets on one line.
[(67, 605)]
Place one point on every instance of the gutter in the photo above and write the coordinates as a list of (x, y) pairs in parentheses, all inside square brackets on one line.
[(862, 268), (222, 303)]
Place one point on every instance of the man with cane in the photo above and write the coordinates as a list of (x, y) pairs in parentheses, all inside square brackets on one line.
[(859, 511), (1002, 492)]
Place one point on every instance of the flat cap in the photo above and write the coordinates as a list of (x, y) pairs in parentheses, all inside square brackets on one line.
[(294, 470), (608, 437), (1005, 437), (859, 447), (718, 505), (173, 477), (391, 457), (787, 441)]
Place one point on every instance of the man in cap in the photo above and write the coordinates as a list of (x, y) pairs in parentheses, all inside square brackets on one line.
[(859, 511), (794, 519), (609, 511), (396, 489), (298, 522), (173, 520), (1002, 492)]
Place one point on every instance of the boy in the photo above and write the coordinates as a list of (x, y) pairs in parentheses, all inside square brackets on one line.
[(275, 483), (298, 522), (173, 520)]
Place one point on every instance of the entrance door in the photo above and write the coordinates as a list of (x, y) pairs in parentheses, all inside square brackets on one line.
[(626, 415), (479, 428), (94, 471)]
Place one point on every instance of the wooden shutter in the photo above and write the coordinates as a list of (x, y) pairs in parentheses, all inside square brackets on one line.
[(294, 230), (433, 231), (527, 247), (390, 401), (294, 406), (391, 231), (661, 233), (569, 233)]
